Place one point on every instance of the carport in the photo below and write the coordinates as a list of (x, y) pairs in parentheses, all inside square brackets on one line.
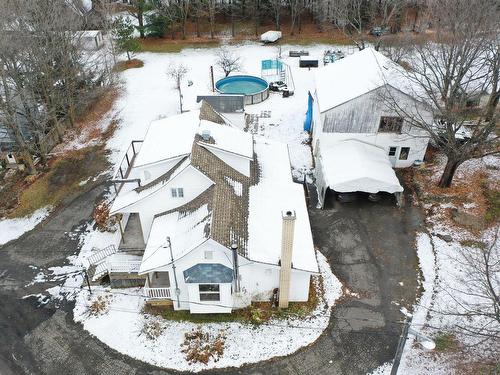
[(351, 166)]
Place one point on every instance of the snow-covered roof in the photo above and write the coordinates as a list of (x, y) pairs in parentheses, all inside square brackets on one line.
[(353, 165), (127, 198), (274, 193), (186, 230), (356, 75), (238, 208), (168, 138), (226, 138)]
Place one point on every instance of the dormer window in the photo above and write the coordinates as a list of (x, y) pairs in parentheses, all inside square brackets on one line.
[(177, 192), (390, 124)]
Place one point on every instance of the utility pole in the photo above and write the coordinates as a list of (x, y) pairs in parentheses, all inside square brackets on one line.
[(401, 345), (88, 281)]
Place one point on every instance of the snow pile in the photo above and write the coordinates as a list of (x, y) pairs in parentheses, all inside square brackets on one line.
[(122, 328), (11, 229)]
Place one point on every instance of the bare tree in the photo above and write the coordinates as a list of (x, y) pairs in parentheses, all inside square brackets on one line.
[(350, 19), (227, 61), (276, 6), (177, 72), (296, 9), (476, 294), (47, 78), (212, 13), (447, 72)]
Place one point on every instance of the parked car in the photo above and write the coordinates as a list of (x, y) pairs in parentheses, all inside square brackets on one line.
[(379, 31)]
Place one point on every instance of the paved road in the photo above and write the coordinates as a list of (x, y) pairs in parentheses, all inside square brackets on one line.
[(368, 245)]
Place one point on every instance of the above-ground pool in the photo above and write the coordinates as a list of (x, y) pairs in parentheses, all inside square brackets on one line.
[(255, 89)]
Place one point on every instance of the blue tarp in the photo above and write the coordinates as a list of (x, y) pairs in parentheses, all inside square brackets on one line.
[(309, 113)]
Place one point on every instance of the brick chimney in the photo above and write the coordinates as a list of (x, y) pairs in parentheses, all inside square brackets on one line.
[(287, 231)]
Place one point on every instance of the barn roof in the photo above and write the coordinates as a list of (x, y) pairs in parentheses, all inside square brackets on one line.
[(356, 75)]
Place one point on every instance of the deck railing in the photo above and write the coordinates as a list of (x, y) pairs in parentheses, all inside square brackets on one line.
[(98, 256), (120, 176), (124, 266)]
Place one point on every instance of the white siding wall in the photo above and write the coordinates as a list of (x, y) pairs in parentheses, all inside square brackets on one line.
[(154, 170), (191, 180), (239, 163), (360, 118), (257, 279)]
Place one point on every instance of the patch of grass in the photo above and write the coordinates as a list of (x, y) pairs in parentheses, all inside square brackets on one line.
[(60, 180), (445, 341), (493, 204), (473, 243), (164, 45), (120, 66)]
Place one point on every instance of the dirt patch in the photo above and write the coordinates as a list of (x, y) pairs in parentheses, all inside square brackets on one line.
[(471, 203), (63, 176), (128, 64)]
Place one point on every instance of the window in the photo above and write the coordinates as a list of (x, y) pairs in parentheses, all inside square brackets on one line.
[(405, 152), (390, 124), (177, 192), (392, 151), (209, 255), (209, 292)]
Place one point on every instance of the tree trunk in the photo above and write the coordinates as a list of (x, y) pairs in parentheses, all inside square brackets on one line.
[(449, 171), (140, 19)]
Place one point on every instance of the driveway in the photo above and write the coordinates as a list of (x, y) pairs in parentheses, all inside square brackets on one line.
[(369, 246)]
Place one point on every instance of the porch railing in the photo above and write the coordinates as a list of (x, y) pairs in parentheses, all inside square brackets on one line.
[(156, 293)]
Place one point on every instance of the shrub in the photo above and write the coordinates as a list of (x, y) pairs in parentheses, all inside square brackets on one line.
[(152, 328), (104, 222), (200, 346), (99, 306)]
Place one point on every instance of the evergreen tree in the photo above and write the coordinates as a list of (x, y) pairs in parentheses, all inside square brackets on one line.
[(123, 32)]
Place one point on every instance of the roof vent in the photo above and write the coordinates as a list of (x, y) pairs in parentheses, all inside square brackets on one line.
[(205, 135)]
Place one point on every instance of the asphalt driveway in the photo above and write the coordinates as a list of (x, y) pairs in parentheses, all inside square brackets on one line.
[(369, 246)]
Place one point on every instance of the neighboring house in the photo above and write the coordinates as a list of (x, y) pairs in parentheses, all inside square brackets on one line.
[(222, 221), (91, 39), (350, 105)]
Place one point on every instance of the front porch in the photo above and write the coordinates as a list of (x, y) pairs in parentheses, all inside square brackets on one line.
[(157, 289)]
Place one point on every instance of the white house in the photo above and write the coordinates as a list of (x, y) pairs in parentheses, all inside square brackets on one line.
[(222, 220), (357, 106)]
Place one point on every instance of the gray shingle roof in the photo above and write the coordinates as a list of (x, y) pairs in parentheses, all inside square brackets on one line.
[(208, 273)]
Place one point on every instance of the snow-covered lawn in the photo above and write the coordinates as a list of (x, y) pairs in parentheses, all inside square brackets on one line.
[(11, 229), (121, 327), (148, 94)]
